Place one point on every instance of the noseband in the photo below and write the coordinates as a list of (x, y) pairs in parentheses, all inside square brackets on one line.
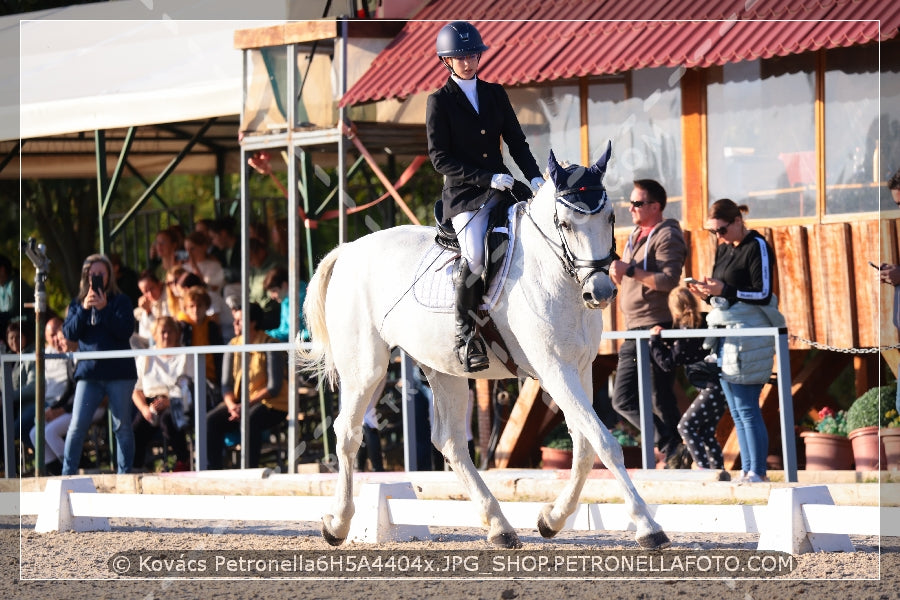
[(572, 264)]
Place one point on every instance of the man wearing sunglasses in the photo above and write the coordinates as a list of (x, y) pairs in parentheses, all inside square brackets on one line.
[(650, 268)]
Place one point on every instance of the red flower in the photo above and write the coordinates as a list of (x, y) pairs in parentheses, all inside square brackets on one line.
[(826, 412)]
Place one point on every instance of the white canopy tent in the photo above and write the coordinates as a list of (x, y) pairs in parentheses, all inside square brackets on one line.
[(65, 73)]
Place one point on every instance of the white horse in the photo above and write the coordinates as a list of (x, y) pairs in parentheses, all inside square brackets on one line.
[(359, 306)]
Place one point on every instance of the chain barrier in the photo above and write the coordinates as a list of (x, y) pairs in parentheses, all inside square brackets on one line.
[(819, 346)]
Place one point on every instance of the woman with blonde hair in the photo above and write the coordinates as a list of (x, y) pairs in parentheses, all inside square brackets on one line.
[(697, 426), (160, 395)]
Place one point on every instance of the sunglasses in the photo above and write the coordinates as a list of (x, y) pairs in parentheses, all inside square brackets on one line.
[(720, 230), (640, 203)]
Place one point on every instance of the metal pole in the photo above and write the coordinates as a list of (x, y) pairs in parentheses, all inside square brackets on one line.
[(293, 261), (9, 449), (37, 253), (100, 149), (410, 434), (199, 376), (645, 395), (786, 406), (342, 176)]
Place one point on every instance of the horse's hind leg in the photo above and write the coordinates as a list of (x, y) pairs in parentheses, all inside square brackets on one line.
[(359, 385), (448, 434)]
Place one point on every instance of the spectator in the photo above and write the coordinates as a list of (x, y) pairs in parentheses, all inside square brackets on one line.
[(153, 304), (218, 309), (650, 268), (261, 262), (279, 237), (267, 386), (18, 340), (228, 245), (698, 424), (162, 396), (100, 319), (276, 284), (162, 253), (14, 293), (740, 291), (200, 263), (60, 394), (199, 329), (890, 274), (173, 291), (126, 278)]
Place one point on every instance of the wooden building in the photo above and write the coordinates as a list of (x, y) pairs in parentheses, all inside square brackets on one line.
[(794, 111)]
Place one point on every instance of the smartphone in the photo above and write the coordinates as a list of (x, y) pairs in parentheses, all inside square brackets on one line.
[(690, 280), (97, 283)]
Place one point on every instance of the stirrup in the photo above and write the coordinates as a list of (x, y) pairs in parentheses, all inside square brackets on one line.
[(472, 355)]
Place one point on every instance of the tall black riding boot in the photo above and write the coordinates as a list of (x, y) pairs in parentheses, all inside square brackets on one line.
[(470, 348)]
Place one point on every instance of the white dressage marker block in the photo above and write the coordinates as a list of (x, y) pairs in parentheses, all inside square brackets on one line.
[(372, 523), (786, 529), (55, 512)]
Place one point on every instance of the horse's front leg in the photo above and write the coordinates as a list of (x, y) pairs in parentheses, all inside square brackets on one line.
[(572, 394), (449, 437), (553, 515)]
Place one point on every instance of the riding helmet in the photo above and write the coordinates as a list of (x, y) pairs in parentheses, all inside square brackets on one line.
[(459, 38)]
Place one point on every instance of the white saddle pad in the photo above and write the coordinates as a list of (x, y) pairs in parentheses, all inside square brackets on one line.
[(433, 288)]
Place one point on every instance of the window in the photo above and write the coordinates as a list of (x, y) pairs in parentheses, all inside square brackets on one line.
[(851, 130), (550, 118), (761, 135), (640, 112)]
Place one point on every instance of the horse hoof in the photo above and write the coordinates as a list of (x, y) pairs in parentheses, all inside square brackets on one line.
[(507, 539), (545, 529), (654, 541), (332, 539)]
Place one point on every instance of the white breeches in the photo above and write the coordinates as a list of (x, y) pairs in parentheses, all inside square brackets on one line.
[(470, 227)]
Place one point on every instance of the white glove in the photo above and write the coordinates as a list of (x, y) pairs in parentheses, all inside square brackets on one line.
[(536, 184), (501, 181)]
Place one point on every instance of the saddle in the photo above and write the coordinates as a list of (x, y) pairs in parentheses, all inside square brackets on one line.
[(496, 238)]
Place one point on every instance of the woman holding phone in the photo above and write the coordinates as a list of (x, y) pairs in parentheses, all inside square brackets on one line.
[(740, 292), (101, 318)]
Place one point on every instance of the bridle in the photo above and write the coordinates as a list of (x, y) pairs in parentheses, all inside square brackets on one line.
[(572, 264)]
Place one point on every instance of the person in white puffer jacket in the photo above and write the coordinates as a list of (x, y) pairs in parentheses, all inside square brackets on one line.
[(740, 290)]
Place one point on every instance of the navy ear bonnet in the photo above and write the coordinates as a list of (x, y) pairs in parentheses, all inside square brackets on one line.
[(577, 187)]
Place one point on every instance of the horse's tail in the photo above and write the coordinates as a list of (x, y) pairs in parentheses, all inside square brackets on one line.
[(317, 357)]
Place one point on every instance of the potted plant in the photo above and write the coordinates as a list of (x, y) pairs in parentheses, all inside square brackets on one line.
[(631, 449), (827, 446), (556, 453), (864, 420), (890, 439)]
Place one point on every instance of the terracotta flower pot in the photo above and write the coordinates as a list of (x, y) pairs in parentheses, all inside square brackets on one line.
[(827, 452), (890, 440), (867, 449), (555, 458), (631, 454)]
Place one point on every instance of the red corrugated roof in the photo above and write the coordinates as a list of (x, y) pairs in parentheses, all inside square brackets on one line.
[(561, 39)]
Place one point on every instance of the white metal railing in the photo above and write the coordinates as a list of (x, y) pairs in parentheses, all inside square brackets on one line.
[(641, 337), (782, 371), (199, 390)]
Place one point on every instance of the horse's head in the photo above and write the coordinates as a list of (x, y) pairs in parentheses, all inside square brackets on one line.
[(584, 220)]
